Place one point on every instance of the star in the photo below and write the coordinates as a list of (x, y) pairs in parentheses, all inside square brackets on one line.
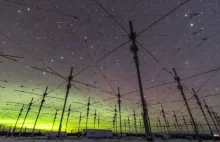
[(42, 40)]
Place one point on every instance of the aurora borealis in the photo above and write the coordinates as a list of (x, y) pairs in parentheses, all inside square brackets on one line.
[(40, 40)]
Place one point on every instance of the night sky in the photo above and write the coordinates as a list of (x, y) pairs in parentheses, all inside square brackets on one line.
[(43, 36)]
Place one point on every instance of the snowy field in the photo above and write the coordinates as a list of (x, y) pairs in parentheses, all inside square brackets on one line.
[(94, 140)]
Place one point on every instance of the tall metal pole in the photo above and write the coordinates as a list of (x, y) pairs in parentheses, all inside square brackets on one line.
[(184, 120), (135, 49), (210, 115), (200, 106), (29, 108), (95, 119), (25, 129), (165, 120), (215, 116), (19, 115), (177, 79), (125, 126), (135, 122), (3, 128), (140, 125), (174, 114), (66, 97), (116, 123), (87, 113), (148, 121), (119, 109), (191, 123), (177, 123), (55, 116), (175, 127), (116, 127), (80, 118), (113, 122), (41, 105), (202, 129), (98, 121), (129, 125), (181, 128), (9, 130), (161, 125), (168, 125), (158, 128), (67, 120)]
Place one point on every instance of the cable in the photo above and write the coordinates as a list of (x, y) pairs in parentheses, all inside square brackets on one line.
[(65, 78), (203, 84), (38, 94), (21, 48), (86, 52), (44, 60), (212, 70), (118, 47), (1, 55), (211, 95), (148, 51), (163, 17), (47, 10), (111, 16)]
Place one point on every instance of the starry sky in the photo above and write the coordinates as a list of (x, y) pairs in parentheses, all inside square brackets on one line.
[(41, 40)]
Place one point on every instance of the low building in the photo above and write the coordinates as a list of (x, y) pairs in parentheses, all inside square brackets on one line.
[(92, 133)]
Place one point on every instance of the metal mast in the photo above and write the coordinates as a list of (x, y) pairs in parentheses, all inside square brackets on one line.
[(67, 120), (125, 126), (98, 121), (181, 128), (174, 114), (161, 125), (200, 106), (148, 121), (165, 120), (55, 116), (113, 122), (177, 79), (175, 127), (116, 124), (129, 125), (217, 117), (25, 129), (210, 115), (3, 128), (140, 125), (41, 105), (66, 97), (135, 49), (184, 120), (158, 128), (29, 108), (201, 127), (19, 115), (9, 130), (135, 122), (87, 114), (168, 125), (80, 118), (94, 118), (119, 109), (214, 116)]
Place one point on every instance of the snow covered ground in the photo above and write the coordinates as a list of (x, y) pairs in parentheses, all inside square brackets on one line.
[(94, 140)]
